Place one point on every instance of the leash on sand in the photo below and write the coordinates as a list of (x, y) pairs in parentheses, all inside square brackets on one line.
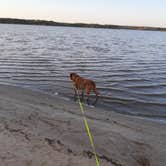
[(87, 128)]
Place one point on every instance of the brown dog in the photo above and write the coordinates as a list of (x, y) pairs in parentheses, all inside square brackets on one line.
[(82, 84)]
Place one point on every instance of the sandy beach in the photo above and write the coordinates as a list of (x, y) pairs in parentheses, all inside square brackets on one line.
[(41, 130)]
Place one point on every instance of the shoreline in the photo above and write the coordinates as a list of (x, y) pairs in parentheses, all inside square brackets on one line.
[(39, 129), (153, 117), (83, 25)]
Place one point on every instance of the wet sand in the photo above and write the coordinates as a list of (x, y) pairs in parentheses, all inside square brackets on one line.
[(41, 130)]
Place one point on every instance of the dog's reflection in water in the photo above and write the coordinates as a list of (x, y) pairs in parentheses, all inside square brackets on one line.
[(83, 85)]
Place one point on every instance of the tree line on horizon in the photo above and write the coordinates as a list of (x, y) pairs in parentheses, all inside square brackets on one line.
[(53, 23)]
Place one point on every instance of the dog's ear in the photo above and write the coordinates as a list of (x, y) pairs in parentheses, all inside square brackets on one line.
[(71, 74)]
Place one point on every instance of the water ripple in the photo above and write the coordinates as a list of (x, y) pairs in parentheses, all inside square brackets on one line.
[(129, 67)]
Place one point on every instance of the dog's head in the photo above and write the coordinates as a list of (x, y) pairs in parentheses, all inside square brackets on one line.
[(73, 76)]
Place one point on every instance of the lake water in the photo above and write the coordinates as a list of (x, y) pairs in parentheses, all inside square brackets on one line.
[(129, 66)]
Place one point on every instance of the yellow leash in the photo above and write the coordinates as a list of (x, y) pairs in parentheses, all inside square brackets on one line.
[(88, 130)]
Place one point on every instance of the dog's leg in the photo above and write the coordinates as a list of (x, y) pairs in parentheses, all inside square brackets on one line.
[(97, 95), (75, 92), (75, 97), (88, 92), (95, 102), (82, 95), (95, 91)]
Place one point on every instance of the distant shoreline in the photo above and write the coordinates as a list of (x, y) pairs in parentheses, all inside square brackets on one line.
[(84, 25)]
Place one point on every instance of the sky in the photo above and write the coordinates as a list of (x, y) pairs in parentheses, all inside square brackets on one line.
[(119, 12)]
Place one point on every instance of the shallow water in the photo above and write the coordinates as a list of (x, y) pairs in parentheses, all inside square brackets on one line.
[(129, 66)]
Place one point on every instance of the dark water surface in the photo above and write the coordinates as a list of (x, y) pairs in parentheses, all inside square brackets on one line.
[(129, 66)]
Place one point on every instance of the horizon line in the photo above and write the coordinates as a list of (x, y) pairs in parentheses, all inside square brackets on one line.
[(100, 25)]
